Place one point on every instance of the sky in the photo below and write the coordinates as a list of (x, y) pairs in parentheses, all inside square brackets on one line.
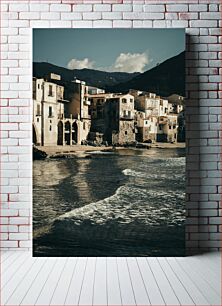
[(124, 50)]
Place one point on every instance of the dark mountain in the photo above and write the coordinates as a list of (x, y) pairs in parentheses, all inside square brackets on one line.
[(165, 79), (92, 77)]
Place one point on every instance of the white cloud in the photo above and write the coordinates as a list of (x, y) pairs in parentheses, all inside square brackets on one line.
[(125, 62), (80, 64), (130, 62)]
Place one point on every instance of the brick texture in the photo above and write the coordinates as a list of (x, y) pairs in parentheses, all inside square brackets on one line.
[(200, 18)]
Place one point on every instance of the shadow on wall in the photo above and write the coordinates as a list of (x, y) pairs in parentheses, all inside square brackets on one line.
[(194, 192)]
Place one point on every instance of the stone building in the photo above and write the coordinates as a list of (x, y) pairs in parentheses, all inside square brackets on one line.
[(167, 128), (159, 119), (119, 119), (151, 104), (67, 114), (97, 105), (149, 107), (146, 128)]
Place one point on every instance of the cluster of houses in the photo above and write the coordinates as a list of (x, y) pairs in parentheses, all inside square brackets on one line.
[(74, 113)]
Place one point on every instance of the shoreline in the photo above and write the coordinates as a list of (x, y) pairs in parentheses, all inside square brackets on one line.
[(83, 150)]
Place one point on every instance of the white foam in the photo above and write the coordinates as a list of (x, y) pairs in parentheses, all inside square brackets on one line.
[(100, 152), (123, 208)]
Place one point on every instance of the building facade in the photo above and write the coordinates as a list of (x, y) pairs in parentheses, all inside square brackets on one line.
[(58, 121), (167, 128), (157, 117), (48, 106), (146, 127), (119, 119), (79, 109), (77, 114)]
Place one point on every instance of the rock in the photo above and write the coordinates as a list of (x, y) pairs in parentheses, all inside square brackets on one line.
[(38, 154)]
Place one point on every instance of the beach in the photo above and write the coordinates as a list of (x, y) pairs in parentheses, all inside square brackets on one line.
[(80, 150), (127, 202)]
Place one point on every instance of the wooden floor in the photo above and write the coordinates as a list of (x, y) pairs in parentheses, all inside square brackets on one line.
[(110, 281)]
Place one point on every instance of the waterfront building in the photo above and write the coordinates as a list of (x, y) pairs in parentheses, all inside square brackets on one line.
[(146, 127), (56, 120), (119, 119), (160, 116), (48, 106), (149, 107), (79, 109), (97, 105), (74, 113), (167, 128)]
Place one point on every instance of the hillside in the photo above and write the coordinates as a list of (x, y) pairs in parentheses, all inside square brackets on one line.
[(165, 79), (92, 77)]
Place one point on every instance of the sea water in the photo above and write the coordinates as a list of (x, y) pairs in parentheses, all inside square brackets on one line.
[(130, 202)]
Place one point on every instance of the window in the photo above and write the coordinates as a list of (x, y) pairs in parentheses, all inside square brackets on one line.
[(124, 100), (125, 132), (38, 113), (160, 127), (170, 127), (84, 125), (50, 91), (50, 111), (146, 122), (38, 86), (131, 100), (50, 127), (37, 119)]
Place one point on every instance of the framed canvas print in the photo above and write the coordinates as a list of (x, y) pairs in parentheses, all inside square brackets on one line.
[(108, 142)]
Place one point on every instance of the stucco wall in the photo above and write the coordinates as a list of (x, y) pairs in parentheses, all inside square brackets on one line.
[(201, 18)]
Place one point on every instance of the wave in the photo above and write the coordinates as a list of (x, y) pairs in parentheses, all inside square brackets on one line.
[(100, 152), (129, 204), (147, 175), (91, 207), (130, 172)]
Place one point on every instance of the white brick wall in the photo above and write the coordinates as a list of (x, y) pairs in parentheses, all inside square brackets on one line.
[(201, 20)]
